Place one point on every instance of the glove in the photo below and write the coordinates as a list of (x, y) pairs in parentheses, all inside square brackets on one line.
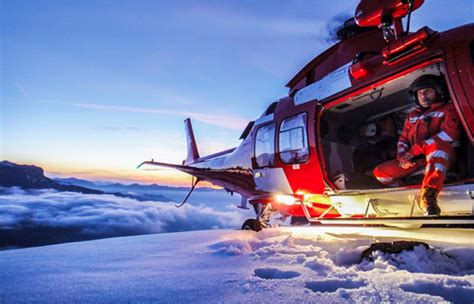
[(405, 162)]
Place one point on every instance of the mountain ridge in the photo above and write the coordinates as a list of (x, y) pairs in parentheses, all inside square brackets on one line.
[(134, 186), (32, 177)]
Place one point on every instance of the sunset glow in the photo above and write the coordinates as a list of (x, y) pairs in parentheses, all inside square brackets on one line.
[(92, 89)]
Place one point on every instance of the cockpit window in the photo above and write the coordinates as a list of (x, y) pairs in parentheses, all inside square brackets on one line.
[(265, 146), (294, 140)]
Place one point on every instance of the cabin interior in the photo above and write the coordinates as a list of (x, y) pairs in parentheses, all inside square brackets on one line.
[(362, 132)]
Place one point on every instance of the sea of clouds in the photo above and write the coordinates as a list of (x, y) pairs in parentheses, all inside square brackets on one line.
[(37, 217)]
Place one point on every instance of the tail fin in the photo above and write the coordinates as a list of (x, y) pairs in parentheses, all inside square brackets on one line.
[(193, 154)]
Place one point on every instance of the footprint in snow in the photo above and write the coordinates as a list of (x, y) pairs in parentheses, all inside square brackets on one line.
[(333, 285), (273, 273), (462, 292)]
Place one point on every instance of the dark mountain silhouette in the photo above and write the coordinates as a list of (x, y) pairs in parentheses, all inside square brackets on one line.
[(76, 182), (118, 187), (32, 177)]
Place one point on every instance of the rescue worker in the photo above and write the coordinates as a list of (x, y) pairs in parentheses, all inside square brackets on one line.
[(429, 134)]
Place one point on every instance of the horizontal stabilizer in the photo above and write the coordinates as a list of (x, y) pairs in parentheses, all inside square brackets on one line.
[(243, 178), (201, 173), (184, 168)]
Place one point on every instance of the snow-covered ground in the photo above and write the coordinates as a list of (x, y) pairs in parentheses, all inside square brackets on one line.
[(284, 265)]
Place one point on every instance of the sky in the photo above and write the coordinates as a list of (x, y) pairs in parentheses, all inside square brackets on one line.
[(92, 88)]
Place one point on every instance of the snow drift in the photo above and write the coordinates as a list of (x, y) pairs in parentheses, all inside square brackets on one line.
[(285, 265)]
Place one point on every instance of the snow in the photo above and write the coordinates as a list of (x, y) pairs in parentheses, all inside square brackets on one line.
[(281, 265)]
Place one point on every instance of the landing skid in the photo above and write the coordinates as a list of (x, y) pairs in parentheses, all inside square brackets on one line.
[(407, 223), (397, 208), (411, 222)]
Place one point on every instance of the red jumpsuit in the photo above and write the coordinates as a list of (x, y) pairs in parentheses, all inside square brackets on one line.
[(431, 132)]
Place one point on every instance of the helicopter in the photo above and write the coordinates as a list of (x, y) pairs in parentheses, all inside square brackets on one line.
[(311, 154)]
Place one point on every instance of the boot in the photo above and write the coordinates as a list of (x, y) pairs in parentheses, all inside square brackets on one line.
[(429, 201)]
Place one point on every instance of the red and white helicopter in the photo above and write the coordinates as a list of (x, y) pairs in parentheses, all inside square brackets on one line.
[(311, 153)]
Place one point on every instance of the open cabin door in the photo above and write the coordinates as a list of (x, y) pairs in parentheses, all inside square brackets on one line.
[(460, 71)]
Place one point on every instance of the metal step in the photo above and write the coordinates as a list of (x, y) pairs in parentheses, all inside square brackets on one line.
[(395, 204)]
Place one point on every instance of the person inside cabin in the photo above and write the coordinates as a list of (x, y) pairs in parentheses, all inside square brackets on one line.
[(429, 134)]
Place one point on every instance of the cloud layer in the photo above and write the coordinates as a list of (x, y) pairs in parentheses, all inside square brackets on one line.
[(38, 217), (218, 120)]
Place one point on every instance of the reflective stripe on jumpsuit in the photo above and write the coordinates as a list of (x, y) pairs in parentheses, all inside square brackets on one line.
[(430, 136)]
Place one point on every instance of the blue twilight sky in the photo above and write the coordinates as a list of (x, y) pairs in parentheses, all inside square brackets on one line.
[(92, 88)]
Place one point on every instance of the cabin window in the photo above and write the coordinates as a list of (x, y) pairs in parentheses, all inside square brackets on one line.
[(265, 146), (294, 140)]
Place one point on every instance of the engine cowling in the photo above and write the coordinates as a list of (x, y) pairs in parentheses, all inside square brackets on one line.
[(371, 13)]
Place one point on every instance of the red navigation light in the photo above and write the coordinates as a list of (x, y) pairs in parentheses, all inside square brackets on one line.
[(358, 70)]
